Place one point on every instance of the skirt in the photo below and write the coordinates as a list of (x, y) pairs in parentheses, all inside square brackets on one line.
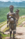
[(12, 27)]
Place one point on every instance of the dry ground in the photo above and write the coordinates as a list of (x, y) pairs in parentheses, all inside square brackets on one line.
[(20, 33)]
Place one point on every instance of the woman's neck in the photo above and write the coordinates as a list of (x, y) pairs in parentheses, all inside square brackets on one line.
[(11, 11)]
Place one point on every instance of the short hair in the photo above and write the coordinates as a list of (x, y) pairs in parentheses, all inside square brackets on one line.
[(11, 6), (17, 10)]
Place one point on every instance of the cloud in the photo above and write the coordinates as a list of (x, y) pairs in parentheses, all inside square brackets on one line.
[(18, 0), (23, 0), (7, 0), (4, 0), (12, 0)]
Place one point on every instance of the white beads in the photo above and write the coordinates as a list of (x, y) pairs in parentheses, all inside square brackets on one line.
[(9, 16), (11, 19)]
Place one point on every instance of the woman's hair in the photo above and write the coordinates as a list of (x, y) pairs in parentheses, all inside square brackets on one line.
[(11, 6)]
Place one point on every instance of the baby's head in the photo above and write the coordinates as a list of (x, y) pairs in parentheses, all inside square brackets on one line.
[(17, 11)]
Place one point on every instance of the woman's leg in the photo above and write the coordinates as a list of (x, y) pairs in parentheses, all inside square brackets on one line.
[(10, 34)]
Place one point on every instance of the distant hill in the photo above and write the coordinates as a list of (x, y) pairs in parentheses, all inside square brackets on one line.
[(15, 4)]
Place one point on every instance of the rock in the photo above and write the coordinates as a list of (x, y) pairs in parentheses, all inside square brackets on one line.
[(23, 16), (7, 33), (20, 33), (23, 22), (20, 25), (7, 37), (19, 37)]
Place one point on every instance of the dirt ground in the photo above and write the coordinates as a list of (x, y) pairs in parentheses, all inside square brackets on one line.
[(20, 33)]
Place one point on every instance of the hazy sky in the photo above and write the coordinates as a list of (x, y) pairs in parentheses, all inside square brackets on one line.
[(12, 0)]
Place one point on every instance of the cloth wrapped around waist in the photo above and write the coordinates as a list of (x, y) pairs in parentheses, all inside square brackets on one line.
[(12, 26)]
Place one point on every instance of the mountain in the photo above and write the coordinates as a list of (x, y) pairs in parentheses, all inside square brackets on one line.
[(15, 4)]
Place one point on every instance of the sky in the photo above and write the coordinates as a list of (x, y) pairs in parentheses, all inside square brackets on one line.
[(12, 0)]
